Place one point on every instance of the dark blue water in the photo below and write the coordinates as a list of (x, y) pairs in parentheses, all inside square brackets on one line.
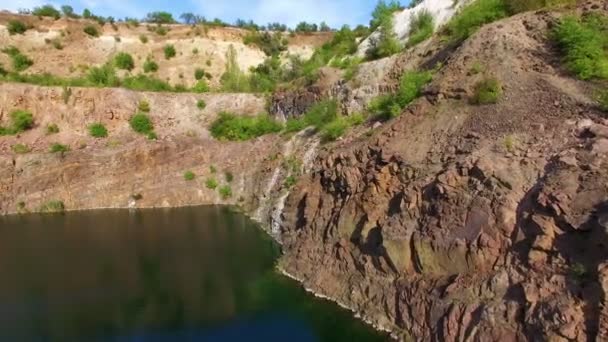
[(190, 274)]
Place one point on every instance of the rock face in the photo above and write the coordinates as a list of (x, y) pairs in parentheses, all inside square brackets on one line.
[(459, 222), (125, 169), (441, 10)]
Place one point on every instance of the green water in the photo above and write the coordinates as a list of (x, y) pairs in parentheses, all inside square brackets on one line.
[(189, 274)]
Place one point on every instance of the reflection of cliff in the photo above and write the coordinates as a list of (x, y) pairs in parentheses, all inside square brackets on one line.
[(116, 272)]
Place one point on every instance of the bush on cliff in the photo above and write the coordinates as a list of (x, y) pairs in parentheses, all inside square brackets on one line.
[(124, 61), (233, 127), (421, 28), (411, 85), (487, 91), (16, 27), (98, 130), (142, 124), (474, 16), (21, 120), (584, 45)]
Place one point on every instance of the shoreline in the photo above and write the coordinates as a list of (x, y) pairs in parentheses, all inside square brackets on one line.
[(236, 208)]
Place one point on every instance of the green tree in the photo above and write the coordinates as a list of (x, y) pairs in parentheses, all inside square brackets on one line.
[(160, 18), (382, 11)]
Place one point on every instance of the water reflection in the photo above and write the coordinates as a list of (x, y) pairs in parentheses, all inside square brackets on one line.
[(190, 274)]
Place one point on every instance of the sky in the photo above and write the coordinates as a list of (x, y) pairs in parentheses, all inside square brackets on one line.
[(334, 12)]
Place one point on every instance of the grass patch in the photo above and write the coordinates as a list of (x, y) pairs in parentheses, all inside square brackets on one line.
[(16, 27), (584, 45), (98, 130), (421, 28), (233, 127), (59, 148), (474, 16), (143, 82), (143, 39), (323, 116), (124, 61), (201, 104), (169, 51), (411, 85), (21, 120), (225, 192), (189, 176), (142, 124), (211, 183), (487, 91), (52, 129), (52, 207), (20, 148), (19, 61), (201, 87)]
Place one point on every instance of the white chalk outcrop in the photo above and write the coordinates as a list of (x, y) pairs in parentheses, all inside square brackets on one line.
[(442, 11)]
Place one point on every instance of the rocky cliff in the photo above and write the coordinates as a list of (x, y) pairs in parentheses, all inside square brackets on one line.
[(457, 222)]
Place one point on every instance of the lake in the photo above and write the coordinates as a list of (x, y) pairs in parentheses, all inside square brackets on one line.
[(186, 274)]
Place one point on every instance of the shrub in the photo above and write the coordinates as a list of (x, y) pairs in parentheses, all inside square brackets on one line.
[(124, 61), (22, 120), (201, 87), (16, 27), (169, 51), (410, 88), (270, 44), (421, 28), (583, 44), (98, 130), (52, 207), (161, 31), (212, 169), (233, 79), (19, 61), (487, 91), (91, 30), (150, 66), (20, 148), (201, 104), (225, 192), (211, 183), (229, 176), (144, 106), (386, 44), (233, 127), (189, 175), (141, 123), (104, 76), (46, 11), (52, 129), (334, 129), (59, 148), (474, 16), (199, 73), (57, 44), (143, 38)]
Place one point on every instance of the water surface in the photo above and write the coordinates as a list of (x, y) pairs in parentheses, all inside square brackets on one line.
[(188, 274)]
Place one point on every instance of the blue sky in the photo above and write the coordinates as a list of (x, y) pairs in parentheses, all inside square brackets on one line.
[(334, 12)]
